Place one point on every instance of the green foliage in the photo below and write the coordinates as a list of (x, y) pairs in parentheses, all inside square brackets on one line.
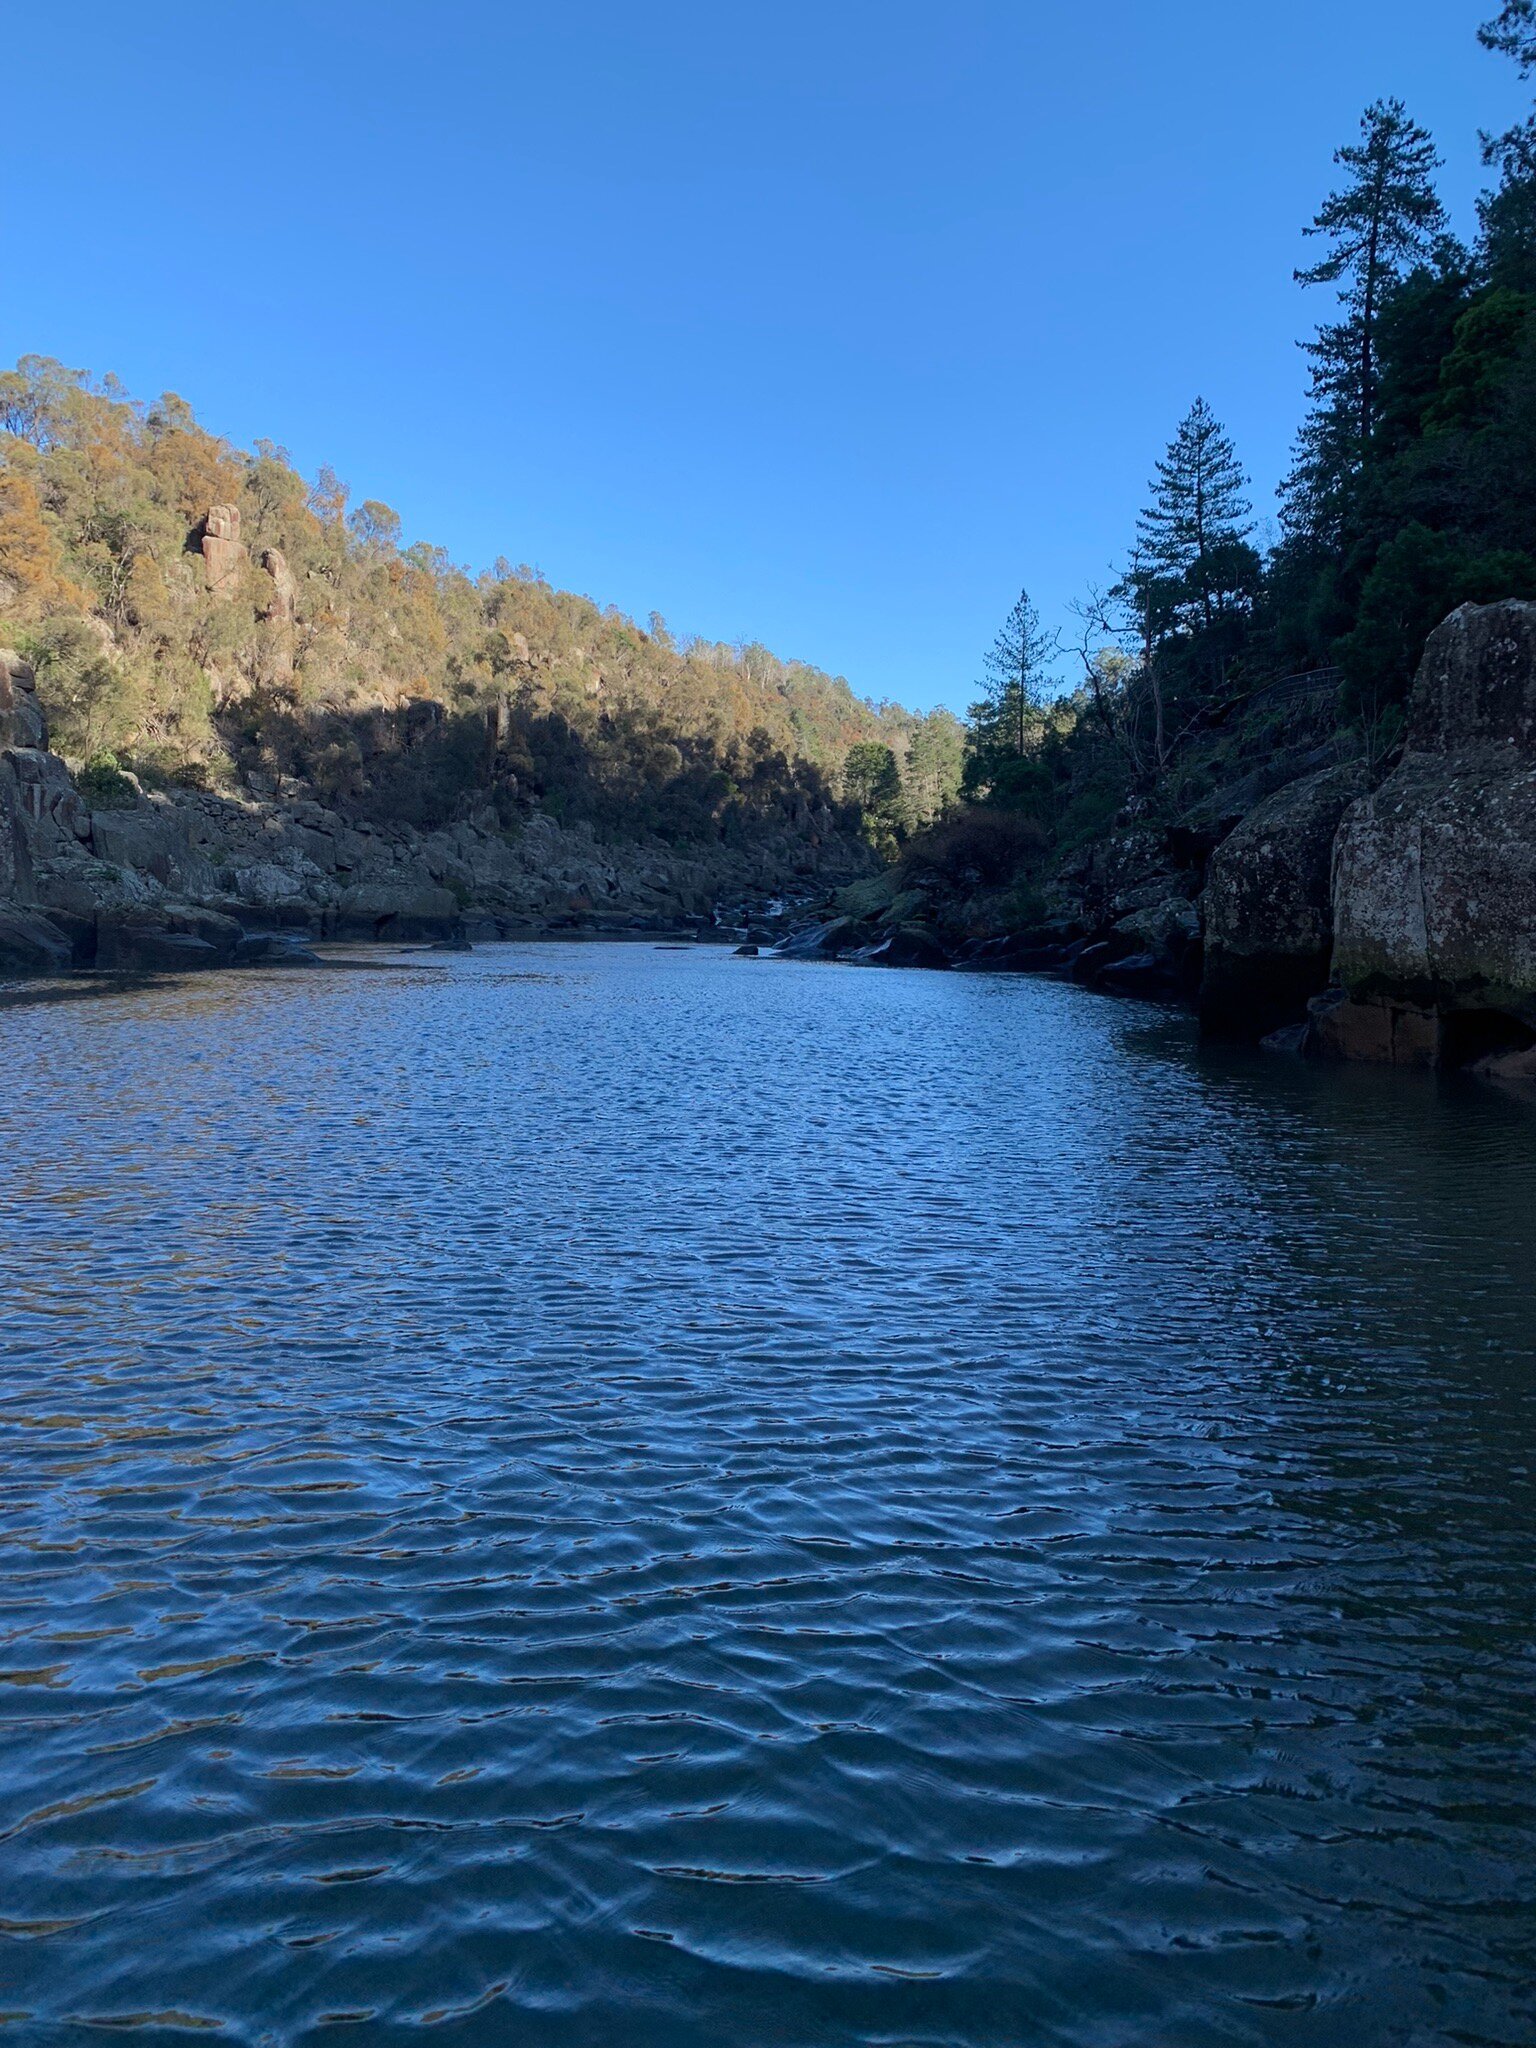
[(979, 847), (104, 785), (309, 638), (1475, 370), (872, 782), (1212, 674), (1008, 716), (1418, 578)]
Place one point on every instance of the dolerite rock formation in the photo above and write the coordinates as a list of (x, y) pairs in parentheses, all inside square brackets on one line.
[(224, 553), (22, 723), (280, 606), (1434, 896), (1268, 907)]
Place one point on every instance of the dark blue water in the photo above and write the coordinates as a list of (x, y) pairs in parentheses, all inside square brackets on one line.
[(596, 1495)]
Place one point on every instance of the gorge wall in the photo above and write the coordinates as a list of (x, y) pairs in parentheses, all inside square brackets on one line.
[(1399, 920)]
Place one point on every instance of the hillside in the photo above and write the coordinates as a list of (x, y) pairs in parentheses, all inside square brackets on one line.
[(199, 615)]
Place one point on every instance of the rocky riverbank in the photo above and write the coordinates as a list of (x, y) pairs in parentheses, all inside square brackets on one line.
[(1387, 918), (118, 877)]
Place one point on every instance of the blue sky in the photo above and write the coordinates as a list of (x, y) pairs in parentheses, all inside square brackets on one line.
[(827, 324)]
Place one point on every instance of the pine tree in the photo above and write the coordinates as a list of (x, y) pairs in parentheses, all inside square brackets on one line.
[(1007, 714), (1187, 537), (1507, 215), (1384, 219), (1512, 32)]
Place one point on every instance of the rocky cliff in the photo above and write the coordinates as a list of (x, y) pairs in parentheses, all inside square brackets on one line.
[(1390, 923), (107, 874), (1434, 872)]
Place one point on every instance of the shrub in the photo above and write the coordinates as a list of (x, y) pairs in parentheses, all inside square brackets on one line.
[(104, 785), (977, 847)]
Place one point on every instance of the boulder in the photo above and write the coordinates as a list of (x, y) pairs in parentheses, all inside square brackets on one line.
[(1138, 974), (265, 886), (906, 908), (31, 943), (151, 838), (1268, 911), (910, 945), (151, 949), (1087, 960), (824, 941), (1434, 894), (868, 897), (273, 949), (403, 910)]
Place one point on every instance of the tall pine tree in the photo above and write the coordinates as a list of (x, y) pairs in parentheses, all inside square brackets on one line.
[(1013, 680), (1190, 537), (1008, 717), (1385, 218)]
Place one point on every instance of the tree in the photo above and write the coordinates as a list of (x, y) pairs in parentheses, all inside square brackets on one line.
[(1198, 515), (1013, 682), (1513, 32), (1385, 218), (1418, 577), (934, 764), (376, 526), (1508, 214), (31, 572), (872, 780)]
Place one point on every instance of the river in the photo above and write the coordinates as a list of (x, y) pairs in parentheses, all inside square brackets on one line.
[(601, 1494)]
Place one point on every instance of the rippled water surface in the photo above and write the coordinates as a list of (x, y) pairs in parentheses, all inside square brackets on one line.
[(601, 1495)]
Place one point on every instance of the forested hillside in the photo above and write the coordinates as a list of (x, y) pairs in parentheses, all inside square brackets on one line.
[(200, 614), (1205, 670)]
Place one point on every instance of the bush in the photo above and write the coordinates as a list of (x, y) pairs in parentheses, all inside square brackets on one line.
[(978, 847), (104, 785)]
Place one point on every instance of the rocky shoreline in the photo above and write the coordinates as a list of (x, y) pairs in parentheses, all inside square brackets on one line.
[(1392, 923), (1388, 919), (128, 879)]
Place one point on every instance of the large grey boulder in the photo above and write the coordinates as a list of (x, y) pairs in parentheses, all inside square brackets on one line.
[(415, 910), (1268, 907), (1435, 873), (31, 943), (167, 938)]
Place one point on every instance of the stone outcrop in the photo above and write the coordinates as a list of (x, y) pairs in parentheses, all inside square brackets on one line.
[(280, 606), (22, 723), (1434, 896), (1268, 907), (224, 553)]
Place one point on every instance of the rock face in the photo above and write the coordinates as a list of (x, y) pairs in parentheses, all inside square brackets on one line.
[(22, 723), (224, 553), (1434, 893), (179, 879), (1268, 907), (280, 606)]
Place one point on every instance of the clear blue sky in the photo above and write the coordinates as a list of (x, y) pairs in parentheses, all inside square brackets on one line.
[(822, 324)]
